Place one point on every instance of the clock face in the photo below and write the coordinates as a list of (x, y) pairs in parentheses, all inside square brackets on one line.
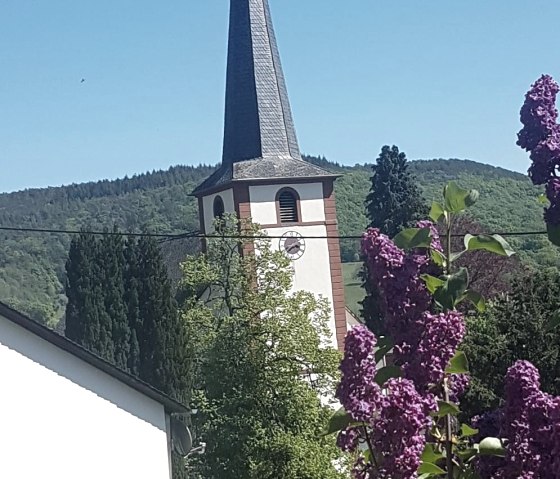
[(292, 244)]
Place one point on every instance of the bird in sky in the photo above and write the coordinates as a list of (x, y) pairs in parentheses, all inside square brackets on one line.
[(83, 80)]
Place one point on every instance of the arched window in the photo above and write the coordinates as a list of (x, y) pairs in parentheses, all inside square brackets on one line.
[(287, 205), (219, 208)]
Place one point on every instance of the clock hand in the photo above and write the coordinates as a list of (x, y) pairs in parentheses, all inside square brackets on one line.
[(292, 247)]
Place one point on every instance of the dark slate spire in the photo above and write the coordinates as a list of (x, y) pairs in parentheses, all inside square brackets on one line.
[(258, 120), (259, 136)]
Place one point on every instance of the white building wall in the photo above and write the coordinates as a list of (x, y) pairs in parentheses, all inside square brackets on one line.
[(208, 208), (263, 202), (62, 418), (312, 272)]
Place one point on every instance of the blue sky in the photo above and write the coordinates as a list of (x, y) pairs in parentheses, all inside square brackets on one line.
[(438, 78)]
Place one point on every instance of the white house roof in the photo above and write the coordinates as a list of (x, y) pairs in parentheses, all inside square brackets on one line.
[(171, 405)]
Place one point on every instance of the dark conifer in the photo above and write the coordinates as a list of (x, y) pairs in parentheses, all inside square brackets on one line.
[(85, 301), (131, 285), (162, 337), (115, 311), (395, 202)]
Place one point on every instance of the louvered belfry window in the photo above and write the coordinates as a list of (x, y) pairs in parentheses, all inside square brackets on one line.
[(219, 208), (288, 206)]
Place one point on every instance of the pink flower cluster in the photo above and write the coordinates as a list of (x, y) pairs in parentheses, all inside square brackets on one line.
[(530, 424), (540, 136), (424, 342), (394, 418)]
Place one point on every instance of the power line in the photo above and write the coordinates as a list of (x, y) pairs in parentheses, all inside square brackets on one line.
[(198, 234)]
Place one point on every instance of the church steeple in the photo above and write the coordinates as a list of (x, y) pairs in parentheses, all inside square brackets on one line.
[(259, 136), (258, 118), (263, 179)]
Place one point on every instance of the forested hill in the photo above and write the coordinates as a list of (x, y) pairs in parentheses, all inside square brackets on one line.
[(32, 265)]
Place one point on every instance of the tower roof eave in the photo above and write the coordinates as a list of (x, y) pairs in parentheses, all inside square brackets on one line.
[(261, 170)]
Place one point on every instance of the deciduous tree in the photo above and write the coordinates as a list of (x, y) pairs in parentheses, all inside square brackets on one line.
[(263, 365)]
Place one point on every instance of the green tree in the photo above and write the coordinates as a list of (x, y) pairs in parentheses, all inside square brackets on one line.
[(111, 252), (515, 326), (262, 365), (85, 301), (394, 202), (162, 336)]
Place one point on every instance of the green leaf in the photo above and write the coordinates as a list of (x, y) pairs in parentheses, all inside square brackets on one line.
[(457, 199), (456, 256), (476, 299), (553, 322), (553, 234), (437, 257), (542, 199), (492, 243), (339, 421), (491, 446), (445, 408), (386, 373), (432, 283), (450, 293), (467, 454), (436, 212), (430, 454), (467, 431), (458, 364), (411, 238), (429, 468), (384, 345)]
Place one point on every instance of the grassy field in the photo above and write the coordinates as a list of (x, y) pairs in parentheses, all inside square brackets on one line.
[(353, 286)]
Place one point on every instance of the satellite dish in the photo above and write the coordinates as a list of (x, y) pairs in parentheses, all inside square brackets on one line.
[(181, 437)]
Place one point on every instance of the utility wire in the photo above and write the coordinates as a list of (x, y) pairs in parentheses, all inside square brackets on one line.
[(198, 234)]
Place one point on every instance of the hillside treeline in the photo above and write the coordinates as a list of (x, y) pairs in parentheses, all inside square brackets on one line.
[(32, 265)]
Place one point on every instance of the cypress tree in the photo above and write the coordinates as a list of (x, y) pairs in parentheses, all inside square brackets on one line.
[(162, 337), (117, 340), (82, 309), (130, 279), (395, 202)]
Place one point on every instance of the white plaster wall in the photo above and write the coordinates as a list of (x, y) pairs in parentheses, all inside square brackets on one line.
[(263, 202), (312, 272), (208, 206), (62, 418)]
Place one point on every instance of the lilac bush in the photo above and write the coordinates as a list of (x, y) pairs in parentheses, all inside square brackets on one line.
[(357, 391), (540, 136), (404, 409), (395, 418)]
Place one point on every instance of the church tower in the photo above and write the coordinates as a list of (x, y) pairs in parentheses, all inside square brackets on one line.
[(263, 176)]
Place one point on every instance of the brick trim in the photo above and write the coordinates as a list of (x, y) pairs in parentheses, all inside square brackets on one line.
[(242, 204), (339, 303), (202, 222)]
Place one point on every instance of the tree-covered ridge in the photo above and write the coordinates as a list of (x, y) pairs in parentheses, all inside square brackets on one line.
[(32, 265)]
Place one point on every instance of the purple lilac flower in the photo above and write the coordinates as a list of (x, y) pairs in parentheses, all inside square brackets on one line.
[(399, 433), (522, 385), (424, 343), (349, 439), (434, 234), (552, 213), (555, 440), (458, 385), (539, 113), (540, 136), (528, 426), (357, 391), (441, 336)]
